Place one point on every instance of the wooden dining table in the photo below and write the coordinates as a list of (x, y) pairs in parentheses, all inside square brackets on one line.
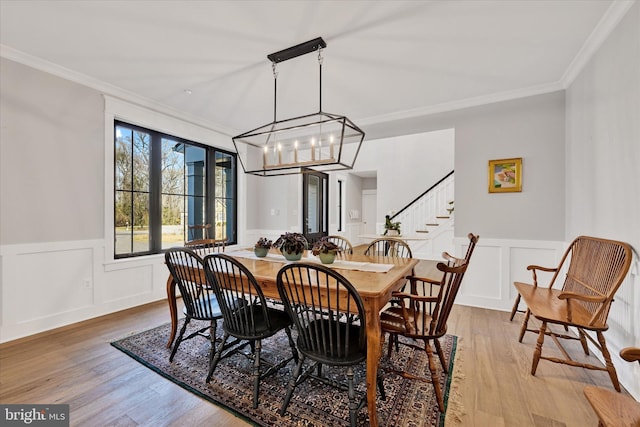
[(375, 289)]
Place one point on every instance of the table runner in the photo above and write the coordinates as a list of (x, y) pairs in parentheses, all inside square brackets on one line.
[(338, 263)]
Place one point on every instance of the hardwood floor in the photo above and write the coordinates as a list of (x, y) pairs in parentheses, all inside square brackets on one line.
[(104, 387)]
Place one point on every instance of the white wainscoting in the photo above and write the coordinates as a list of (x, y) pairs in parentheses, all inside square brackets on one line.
[(497, 263), (48, 285)]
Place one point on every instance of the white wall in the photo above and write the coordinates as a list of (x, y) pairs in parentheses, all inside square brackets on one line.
[(406, 166), (603, 169)]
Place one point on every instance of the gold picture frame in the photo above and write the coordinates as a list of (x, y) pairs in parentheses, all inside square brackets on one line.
[(505, 175)]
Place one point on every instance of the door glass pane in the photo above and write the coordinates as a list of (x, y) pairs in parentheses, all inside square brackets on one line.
[(140, 222), (224, 191), (173, 232), (123, 220), (141, 160), (313, 204), (172, 167), (123, 161)]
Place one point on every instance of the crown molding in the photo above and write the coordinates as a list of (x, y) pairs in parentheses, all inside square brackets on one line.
[(605, 26), (464, 103), (108, 89)]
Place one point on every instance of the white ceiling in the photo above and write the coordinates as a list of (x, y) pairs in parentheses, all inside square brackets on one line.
[(384, 60)]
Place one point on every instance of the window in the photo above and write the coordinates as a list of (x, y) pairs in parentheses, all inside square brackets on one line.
[(163, 186)]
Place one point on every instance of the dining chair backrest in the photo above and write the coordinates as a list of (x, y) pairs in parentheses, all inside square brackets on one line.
[(453, 261), (241, 300), (343, 243), (199, 231), (186, 267), (205, 247), (324, 306), (389, 246)]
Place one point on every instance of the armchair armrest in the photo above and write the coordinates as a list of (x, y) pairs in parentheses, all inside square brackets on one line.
[(423, 279), (533, 269), (581, 297), (537, 267), (630, 354)]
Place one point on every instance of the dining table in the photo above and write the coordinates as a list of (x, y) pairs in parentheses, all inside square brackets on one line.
[(374, 277)]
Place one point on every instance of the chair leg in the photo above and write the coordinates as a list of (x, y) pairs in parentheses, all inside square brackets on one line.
[(514, 310), (292, 344), (255, 373), (380, 381), (391, 341), (212, 337), (445, 368), (434, 375), (583, 340), (353, 405), (608, 363), (525, 324), (216, 358), (179, 339), (538, 351), (292, 385)]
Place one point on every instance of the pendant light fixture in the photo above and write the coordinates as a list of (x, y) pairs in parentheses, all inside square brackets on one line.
[(318, 141)]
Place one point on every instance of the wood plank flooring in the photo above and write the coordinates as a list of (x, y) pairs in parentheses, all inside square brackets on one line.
[(76, 365)]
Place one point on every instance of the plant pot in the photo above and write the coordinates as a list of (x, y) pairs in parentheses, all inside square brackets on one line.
[(261, 252), (393, 233), (292, 256), (327, 257)]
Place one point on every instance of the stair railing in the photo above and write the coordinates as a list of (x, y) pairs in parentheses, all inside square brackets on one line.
[(433, 202)]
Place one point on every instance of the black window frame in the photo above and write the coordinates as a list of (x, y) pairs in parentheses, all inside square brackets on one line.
[(155, 189)]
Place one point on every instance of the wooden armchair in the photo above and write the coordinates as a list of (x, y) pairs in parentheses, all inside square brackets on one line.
[(615, 409), (595, 269), (422, 316)]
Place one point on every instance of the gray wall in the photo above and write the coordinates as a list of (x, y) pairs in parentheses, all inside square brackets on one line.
[(51, 158)]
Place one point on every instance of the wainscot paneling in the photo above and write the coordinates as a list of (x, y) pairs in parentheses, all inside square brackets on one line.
[(48, 285), (497, 263)]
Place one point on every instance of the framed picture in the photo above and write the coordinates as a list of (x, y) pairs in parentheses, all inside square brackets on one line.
[(505, 175)]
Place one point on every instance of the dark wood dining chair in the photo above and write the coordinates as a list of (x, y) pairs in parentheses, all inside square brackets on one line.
[(612, 408), (595, 269), (422, 316), (343, 243), (206, 247), (328, 333), (246, 316), (200, 302), (199, 231)]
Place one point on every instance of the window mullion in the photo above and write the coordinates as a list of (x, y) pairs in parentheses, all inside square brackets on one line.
[(155, 190)]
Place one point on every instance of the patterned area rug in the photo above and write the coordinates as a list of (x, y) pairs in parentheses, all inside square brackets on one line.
[(409, 403)]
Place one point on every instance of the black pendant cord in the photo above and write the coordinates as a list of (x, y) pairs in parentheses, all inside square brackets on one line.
[(320, 63), (275, 89)]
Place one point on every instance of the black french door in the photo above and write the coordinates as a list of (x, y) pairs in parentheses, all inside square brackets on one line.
[(315, 191)]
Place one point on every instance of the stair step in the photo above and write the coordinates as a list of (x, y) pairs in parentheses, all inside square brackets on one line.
[(432, 225), (422, 231), (443, 217)]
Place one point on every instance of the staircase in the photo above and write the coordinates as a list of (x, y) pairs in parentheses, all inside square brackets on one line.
[(428, 220)]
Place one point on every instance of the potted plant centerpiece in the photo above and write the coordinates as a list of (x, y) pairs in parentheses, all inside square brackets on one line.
[(292, 245), (391, 228), (262, 246), (325, 250)]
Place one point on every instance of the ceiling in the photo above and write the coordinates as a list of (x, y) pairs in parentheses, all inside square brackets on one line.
[(385, 60)]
